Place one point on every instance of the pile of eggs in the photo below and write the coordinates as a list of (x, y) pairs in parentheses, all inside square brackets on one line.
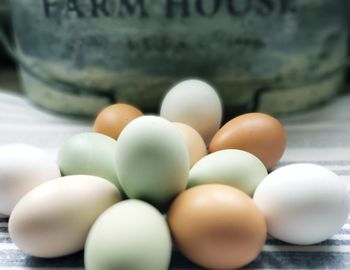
[(139, 184)]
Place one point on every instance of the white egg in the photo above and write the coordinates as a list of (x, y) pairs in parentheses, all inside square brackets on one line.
[(22, 167), (195, 103), (303, 204), (54, 219)]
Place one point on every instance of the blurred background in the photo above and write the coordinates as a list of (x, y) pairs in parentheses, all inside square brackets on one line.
[(280, 57), (8, 72), (289, 58)]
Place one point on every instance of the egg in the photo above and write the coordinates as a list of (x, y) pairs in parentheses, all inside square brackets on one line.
[(195, 103), (217, 226), (54, 219), (197, 148), (22, 167), (257, 133), (303, 204), (113, 119), (89, 154), (235, 168), (130, 235), (152, 160)]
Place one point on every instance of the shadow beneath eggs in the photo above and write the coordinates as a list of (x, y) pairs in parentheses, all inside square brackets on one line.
[(72, 261)]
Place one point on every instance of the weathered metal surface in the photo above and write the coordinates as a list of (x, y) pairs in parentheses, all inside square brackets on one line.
[(290, 52), (3, 22), (3, 10)]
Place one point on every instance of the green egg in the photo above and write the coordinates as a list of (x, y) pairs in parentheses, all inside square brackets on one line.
[(234, 168), (131, 235), (89, 154), (152, 161)]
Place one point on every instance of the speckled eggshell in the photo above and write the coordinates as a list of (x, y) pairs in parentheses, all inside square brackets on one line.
[(113, 119), (152, 160), (235, 168), (90, 154), (54, 219), (257, 133), (131, 235), (22, 168), (194, 103)]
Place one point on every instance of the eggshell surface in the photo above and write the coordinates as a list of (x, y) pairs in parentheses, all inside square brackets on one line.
[(89, 154), (152, 160), (131, 235), (22, 168), (235, 168), (54, 219), (303, 204), (217, 226), (195, 103), (113, 119), (259, 134), (197, 148)]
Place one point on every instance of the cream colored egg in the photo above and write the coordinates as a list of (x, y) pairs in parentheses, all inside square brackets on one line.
[(54, 219), (194, 103), (195, 143), (22, 168)]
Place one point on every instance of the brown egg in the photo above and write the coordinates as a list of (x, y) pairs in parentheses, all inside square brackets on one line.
[(113, 119), (217, 226), (197, 148), (257, 133)]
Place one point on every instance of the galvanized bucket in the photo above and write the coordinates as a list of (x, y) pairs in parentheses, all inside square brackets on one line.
[(3, 23), (3, 10), (275, 56)]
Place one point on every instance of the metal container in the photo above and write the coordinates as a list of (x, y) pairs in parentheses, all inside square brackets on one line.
[(3, 24), (275, 56), (3, 11)]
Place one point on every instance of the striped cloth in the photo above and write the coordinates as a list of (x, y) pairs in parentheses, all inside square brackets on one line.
[(320, 136)]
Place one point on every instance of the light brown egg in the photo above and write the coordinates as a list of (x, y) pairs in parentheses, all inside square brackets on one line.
[(217, 226), (197, 148), (257, 133), (113, 119)]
